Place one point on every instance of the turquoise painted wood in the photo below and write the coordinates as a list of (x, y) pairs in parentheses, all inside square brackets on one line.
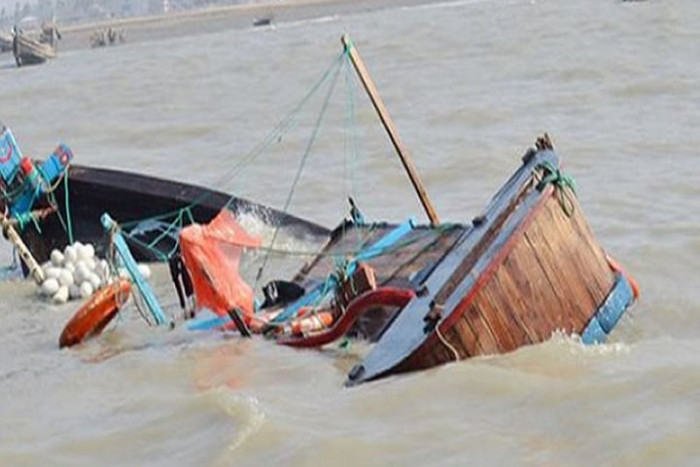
[(131, 267)]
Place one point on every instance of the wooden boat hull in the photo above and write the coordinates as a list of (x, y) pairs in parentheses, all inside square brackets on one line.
[(528, 267), (30, 52), (128, 196)]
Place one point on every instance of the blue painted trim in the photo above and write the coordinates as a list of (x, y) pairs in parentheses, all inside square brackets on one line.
[(208, 324), (609, 313), (594, 333), (614, 306), (386, 241), (132, 268), (9, 150)]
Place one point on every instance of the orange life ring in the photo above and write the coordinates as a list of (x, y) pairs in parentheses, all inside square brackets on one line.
[(94, 315), (617, 267)]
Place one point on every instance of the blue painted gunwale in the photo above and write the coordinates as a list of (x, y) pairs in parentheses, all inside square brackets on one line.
[(609, 312), (406, 334)]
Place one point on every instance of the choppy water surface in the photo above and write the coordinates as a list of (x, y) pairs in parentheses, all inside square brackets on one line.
[(470, 85)]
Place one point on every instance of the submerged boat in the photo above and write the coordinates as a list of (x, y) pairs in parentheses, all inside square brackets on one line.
[(423, 295), (525, 268)]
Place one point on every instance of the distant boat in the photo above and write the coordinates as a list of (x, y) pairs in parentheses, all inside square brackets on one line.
[(34, 45), (31, 52), (264, 21)]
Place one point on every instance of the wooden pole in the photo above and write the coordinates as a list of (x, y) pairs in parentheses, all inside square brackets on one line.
[(24, 253), (383, 113)]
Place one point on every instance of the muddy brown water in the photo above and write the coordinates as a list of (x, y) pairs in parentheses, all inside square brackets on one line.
[(470, 85)]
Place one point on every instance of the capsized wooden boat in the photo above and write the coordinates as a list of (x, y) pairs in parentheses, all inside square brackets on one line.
[(527, 267)]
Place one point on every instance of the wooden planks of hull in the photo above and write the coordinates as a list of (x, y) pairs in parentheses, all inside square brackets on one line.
[(552, 277)]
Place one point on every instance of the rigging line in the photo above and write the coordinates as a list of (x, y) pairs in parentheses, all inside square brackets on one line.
[(287, 121), (280, 128), (300, 170), (69, 219), (352, 168)]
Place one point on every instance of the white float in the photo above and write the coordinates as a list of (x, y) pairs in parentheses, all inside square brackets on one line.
[(76, 273)]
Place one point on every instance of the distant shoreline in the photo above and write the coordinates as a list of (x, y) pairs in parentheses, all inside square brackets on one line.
[(139, 29)]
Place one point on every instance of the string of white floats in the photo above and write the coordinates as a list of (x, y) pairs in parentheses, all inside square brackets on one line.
[(77, 273)]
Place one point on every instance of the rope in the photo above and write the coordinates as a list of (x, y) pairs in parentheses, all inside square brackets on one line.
[(279, 129), (446, 343), (302, 165), (561, 181), (67, 207), (24, 219)]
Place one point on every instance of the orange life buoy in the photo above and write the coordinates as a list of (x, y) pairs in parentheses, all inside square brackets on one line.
[(94, 315)]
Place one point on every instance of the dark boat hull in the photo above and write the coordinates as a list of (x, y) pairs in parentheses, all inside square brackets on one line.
[(129, 197)]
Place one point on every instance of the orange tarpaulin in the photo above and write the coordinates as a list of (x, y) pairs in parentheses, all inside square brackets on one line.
[(212, 254)]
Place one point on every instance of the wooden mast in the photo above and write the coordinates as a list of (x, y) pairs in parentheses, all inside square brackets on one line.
[(383, 113)]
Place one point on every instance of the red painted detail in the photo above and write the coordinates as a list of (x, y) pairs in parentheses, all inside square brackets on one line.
[(26, 165), (8, 155), (63, 157), (383, 296)]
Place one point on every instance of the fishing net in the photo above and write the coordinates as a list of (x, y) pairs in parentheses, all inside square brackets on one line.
[(211, 253)]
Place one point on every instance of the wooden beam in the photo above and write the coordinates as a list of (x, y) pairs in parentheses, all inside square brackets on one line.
[(383, 113), (24, 253)]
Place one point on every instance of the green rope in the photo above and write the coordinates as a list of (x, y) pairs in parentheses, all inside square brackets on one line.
[(176, 224), (159, 254), (344, 344), (561, 181), (279, 129), (67, 206), (352, 153), (302, 164), (23, 220), (285, 124)]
